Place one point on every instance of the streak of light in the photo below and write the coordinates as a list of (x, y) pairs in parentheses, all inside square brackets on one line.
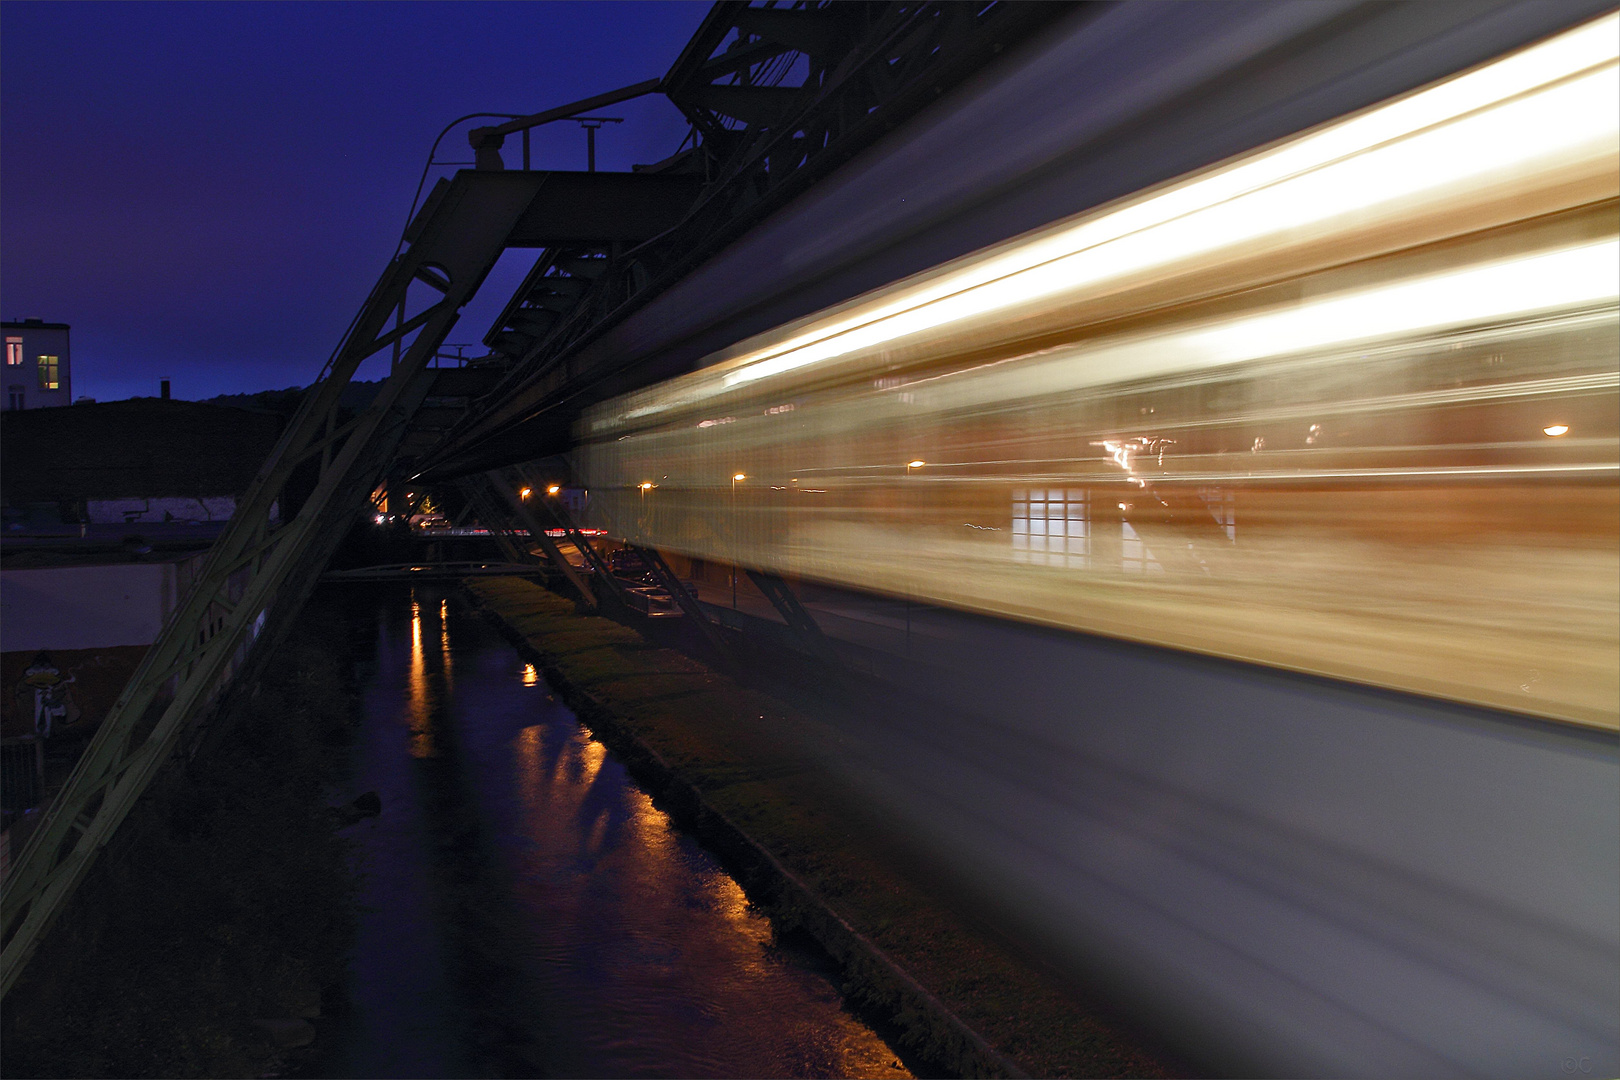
[(1527, 112), (1349, 340)]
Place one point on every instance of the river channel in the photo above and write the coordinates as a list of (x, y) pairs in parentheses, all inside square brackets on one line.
[(527, 909)]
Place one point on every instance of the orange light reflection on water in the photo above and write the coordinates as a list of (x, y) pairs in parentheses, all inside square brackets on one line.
[(419, 701), (444, 638), (592, 819)]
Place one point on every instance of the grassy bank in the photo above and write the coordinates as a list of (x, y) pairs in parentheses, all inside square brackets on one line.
[(720, 755), (225, 899)]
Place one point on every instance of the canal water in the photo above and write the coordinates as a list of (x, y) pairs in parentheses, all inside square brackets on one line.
[(527, 909)]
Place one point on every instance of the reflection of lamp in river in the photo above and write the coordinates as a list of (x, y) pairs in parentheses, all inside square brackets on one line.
[(734, 538), (420, 709)]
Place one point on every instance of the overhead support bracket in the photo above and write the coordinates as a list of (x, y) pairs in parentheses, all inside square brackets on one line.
[(479, 136)]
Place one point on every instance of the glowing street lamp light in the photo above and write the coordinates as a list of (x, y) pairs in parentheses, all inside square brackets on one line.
[(553, 489), (735, 477), (524, 494), (1553, 431)]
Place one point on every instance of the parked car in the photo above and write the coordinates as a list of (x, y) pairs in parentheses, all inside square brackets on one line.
[(631, 566)]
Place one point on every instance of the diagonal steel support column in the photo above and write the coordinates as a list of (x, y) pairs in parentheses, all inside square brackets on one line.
[(498, 523), (537, 531), (598, 565), (688, 603), (794, 614), (260, 571)]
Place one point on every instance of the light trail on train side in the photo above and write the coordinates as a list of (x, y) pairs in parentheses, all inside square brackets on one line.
[(1347, 405)]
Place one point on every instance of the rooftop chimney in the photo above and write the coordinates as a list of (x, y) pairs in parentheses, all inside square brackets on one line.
[(163, 389)]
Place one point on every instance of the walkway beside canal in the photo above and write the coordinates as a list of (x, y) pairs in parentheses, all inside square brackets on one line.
[(527, 909), (745, 771)]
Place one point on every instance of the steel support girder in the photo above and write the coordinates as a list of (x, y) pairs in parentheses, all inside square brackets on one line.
[(688, 603), (894, 59), (592, 209), (793, 613), (537, 531), (461, 240), (497, 523), (598, 566)]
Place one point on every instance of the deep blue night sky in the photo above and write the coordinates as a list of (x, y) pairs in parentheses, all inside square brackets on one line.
[(207, 191)]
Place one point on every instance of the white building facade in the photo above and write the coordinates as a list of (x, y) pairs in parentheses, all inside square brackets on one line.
[(38, 367)]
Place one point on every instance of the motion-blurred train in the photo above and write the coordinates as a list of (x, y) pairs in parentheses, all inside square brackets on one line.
[(1347, 404)]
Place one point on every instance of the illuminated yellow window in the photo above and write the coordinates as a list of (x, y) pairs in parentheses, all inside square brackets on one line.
[(13, 351), (50, 373)]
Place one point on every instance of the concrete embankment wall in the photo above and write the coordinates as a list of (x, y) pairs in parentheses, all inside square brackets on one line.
[(89, 607)]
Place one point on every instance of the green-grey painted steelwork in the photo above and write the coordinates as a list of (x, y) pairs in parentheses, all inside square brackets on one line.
[(259, 572)]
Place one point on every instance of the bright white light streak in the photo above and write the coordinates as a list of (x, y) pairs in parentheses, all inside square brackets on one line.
[(1568, 278), (1508, 289), (1530, 111)]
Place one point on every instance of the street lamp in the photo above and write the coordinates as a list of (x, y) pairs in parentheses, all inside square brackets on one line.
[(524, 494), (553, 489), (735, 477), (641, 519), (914, 463)]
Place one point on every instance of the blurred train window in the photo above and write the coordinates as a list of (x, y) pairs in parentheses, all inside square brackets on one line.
[(1222, 506), (1136, 556), (1051, 526)]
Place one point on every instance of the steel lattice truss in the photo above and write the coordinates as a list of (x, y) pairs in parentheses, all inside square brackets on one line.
[(260, 571), (778, 95)]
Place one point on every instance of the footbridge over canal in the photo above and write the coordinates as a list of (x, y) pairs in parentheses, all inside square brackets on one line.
[(1233, 387)]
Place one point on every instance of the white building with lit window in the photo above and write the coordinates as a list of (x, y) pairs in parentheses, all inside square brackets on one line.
[(38, 368)]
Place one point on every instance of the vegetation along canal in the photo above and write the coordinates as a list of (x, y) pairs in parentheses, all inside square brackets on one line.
[(527, 909)]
